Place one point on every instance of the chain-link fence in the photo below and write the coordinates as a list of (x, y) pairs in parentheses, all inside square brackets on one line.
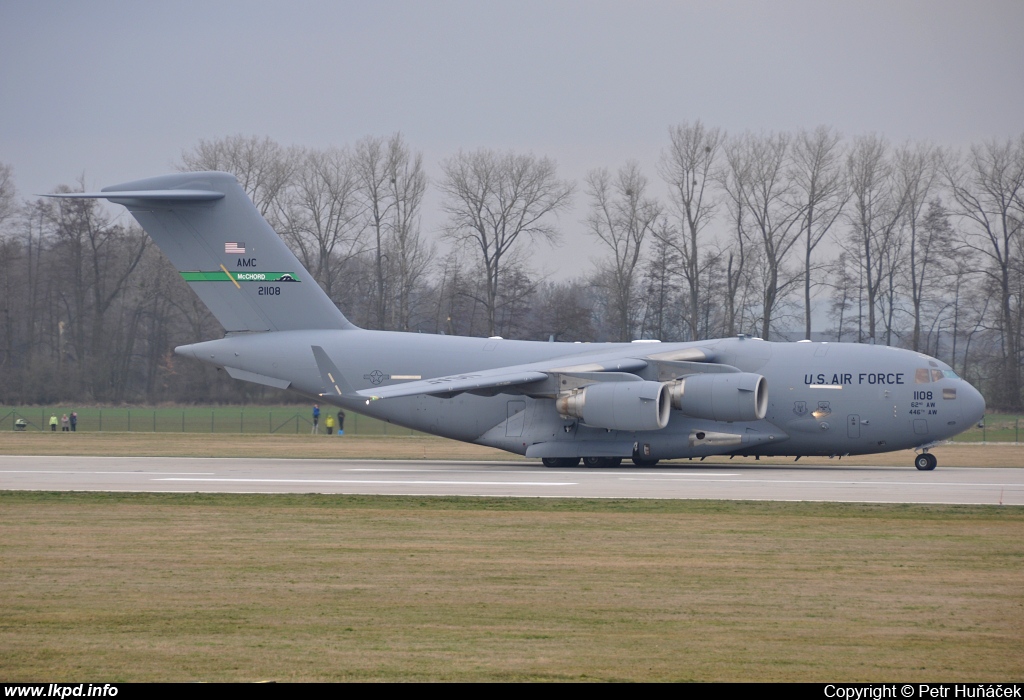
[(193, 419), (997, 427)]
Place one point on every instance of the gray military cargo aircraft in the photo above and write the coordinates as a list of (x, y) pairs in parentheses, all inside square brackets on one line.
[(559, 402)]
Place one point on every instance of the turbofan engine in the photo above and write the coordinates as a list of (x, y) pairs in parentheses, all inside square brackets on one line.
[(736, 396), (619, 405)]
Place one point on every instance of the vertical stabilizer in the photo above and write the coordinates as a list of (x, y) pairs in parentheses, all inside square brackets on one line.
[(230, 256)]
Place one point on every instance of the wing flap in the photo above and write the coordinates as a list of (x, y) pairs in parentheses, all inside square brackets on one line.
[(471, 381)]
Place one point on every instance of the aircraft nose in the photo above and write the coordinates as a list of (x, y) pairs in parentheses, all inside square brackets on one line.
[(973, 405)]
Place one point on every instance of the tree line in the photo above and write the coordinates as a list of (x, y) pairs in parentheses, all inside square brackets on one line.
[(769, 234)]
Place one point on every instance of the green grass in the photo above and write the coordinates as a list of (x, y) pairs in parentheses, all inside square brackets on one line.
[(294, 419), (997, 427), (204, 587)]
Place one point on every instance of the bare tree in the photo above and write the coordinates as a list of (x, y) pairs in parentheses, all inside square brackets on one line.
[(621, 216), (371, 164), (322, 217), (926, 234), (689, 169), (876, 212), (392, 184), (564, 311), (988, 190), (493, 202), (263, 167), (820, 184), (760, 182), (7, 193), (660, 289), (733, 178), (96, 260)]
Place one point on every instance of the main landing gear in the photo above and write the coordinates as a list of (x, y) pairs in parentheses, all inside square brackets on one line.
[(598, 462), (560, 462), (594, 462), (925, 461)]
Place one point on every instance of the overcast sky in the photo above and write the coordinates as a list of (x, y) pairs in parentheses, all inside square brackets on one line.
[(115, 91)]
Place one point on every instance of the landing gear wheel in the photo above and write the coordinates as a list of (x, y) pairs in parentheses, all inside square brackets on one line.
[(560, 462), (641, 462), (602, 461), (925, 462)]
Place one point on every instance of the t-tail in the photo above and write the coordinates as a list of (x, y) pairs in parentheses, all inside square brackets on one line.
[(240, 268)]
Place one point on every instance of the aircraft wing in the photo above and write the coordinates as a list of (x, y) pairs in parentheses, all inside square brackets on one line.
[(491, 379), (542, 378)]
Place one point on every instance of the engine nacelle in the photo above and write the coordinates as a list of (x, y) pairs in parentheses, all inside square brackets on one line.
[(735, 396), (619, 405)]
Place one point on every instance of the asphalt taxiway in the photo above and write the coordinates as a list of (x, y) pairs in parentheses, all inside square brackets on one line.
[(845, 482)]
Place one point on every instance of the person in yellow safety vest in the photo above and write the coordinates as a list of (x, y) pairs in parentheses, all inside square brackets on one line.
[(329, 423), (53, 423)]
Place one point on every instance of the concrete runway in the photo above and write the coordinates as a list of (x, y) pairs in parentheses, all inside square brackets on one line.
[(845, 482)]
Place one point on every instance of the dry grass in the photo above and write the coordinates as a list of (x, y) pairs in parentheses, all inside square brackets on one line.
[(375, 447), (238, 588)]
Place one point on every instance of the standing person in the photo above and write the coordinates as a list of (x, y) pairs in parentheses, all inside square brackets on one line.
[(341, 422), (65, 423), (74, 420), (329, 424), (316, 419), (53, 423)]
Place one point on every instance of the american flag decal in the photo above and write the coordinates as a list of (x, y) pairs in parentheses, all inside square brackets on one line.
[(234, 248)]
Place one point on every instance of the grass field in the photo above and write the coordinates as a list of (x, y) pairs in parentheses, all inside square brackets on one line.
[(245, 588), (145, 587), (410, 447)]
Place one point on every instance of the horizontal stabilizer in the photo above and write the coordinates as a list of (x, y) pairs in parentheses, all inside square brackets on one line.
[(146, 195)]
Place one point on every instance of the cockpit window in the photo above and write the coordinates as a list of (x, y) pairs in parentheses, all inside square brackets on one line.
[(922, 376), (936, 375), (950, 374)]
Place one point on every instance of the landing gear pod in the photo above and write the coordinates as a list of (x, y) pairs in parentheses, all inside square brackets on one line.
[(619, 405), (736, 396)]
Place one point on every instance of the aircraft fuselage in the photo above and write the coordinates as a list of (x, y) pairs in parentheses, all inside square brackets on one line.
[(823, 398)]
